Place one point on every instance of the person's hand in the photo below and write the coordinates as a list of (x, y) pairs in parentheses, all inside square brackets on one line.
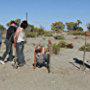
[(15, 45)]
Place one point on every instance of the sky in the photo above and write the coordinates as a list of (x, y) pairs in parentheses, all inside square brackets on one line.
[(45, 12)]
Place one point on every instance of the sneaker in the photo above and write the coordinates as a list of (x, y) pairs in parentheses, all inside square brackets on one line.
[(2, 62), (22, 64)]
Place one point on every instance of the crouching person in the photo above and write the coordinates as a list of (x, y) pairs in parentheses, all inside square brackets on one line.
[(40, 58), (19, 41)]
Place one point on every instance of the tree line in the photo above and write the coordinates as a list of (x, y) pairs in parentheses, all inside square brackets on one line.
[(56, 26)]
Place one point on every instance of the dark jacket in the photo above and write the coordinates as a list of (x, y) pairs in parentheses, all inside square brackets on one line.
[(10, 33)]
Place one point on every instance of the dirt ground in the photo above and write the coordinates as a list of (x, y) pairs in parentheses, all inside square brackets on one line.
[(65, 73)]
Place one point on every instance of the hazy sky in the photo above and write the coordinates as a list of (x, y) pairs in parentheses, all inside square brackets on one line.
[(44, 12)]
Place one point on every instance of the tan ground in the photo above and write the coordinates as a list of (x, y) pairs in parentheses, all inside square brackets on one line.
[(64, 75)]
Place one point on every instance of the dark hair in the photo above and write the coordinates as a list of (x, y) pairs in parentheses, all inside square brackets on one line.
[(24, 24), (13, 22)]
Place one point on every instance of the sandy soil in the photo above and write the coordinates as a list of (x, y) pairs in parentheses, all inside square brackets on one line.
[(64, 75)]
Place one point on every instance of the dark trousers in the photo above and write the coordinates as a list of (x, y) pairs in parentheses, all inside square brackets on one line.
[(9, 51), (20, 53)]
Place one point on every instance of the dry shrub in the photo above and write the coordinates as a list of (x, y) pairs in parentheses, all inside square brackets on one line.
[(64, 44), (56, 48), (70, 45), (47, 34), (59, 37), (31, 34), (82, 48), (76, 33)]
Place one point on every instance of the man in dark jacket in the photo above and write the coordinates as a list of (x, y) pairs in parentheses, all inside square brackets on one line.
[(9, 41)]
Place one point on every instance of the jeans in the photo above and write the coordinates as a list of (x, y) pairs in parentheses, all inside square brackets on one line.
[(9, 51), (20, 53)]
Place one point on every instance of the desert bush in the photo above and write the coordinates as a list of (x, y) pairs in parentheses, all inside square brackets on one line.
[(40, 32), (76, 33), (82, 48), (47, 34), (87, 33), (31, 34), (64, 44), (59, 37), (69, 45), (4, 35), (56, 48)]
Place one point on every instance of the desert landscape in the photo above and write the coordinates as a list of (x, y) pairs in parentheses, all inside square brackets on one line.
[(56, 36), (65, 73)]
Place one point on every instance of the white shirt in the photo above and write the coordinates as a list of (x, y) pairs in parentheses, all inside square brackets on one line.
[(20, 35)]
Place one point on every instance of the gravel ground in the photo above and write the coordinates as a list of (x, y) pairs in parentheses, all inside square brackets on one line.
[(64, 75)]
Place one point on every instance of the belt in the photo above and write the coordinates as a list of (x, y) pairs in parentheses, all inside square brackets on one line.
[(21, 42)]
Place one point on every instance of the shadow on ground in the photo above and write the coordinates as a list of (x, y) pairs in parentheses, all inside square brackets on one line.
[(80, 62)]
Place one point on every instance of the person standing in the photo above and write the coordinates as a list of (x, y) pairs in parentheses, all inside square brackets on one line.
[(9, 41), (0, 42), (0, 39), (19, 41)]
